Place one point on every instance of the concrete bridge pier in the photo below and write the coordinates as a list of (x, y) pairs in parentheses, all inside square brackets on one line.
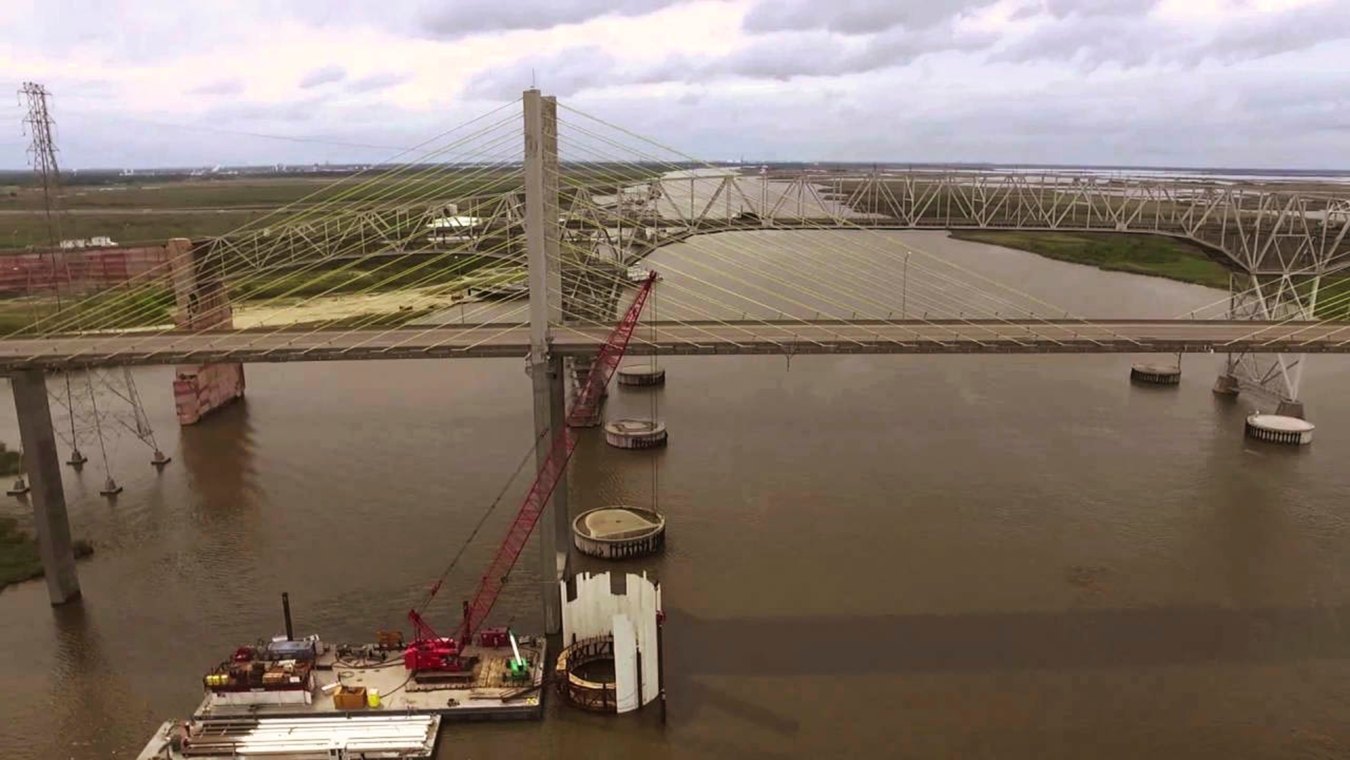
[(550, 414), (1290, 296), (202, 303), (43, 466)]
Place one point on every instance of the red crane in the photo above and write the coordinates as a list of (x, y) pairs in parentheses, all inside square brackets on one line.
[(428, 651)]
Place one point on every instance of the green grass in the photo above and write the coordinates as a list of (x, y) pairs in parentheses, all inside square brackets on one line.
[(19, 231), (1154, 255), (1333, 299), (151, 211), (19, 559), (11, 462), (142, 306)]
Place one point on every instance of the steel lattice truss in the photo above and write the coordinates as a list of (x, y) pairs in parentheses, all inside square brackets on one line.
[(1258, 231), (1279, 243)]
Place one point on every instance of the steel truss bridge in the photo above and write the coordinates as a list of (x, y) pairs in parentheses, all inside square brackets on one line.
[(1278, 245)]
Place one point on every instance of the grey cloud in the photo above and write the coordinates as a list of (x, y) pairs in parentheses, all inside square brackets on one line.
[(322, 76), (564, 73), (1098, 37), (376, 82), (779, 56), (464, 17), (219, 87), (1246, 117), (787, 55), (1062, 8), (1195, 121), (855, 16)]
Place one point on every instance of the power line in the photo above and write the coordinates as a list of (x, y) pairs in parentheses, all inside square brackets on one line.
[(266, 136)]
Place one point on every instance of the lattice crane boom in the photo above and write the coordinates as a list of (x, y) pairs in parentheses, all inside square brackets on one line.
[(549, 476)]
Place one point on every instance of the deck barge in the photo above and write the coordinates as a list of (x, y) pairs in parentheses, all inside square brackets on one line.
[(356, 701)]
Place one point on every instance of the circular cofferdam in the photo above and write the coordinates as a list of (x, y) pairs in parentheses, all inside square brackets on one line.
[(1280, 429), (1155, 374), (619, 532), (642, 375), (585, 675), (635, 433)]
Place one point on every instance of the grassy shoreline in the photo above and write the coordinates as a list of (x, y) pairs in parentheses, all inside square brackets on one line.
[(19, 559), (1154, 255)]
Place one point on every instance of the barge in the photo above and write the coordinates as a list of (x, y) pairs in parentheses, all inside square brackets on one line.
[(307, 698)]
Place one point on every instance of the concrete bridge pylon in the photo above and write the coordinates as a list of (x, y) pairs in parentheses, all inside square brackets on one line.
[(547, 377)]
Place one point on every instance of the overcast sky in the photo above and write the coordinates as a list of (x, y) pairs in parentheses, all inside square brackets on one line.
[(1232, 83)]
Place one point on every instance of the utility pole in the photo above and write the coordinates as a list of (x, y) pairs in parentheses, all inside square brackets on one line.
[(42, 155)]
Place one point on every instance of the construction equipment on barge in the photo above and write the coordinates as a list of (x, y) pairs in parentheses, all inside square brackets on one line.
[(430, 654)]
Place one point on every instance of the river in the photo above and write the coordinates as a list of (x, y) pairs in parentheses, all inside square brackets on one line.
[(919, 556)]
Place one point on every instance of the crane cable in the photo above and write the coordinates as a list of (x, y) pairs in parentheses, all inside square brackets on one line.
[(436, 587)]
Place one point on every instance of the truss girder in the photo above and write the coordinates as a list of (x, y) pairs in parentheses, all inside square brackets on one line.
[(1258, 232)]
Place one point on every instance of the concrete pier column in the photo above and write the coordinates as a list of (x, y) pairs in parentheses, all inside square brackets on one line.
[(202, 302), (1226, 385), (1291, 408), (43, 467), (550, 399)]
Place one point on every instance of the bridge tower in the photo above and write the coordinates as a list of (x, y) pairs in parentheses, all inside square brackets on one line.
[(543, 247)]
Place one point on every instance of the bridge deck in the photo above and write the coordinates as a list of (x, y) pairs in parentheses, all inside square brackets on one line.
[(912, 337)]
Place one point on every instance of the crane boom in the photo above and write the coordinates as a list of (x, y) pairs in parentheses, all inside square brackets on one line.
[(555, 465)]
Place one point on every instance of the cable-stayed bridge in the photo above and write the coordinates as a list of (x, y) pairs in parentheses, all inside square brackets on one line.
[(709, 338), (421, 258)]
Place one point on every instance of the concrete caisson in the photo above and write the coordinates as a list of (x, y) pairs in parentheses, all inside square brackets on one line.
[(642, 375), (619, 532), (633, 433), (1277, 428), (1155, 374)]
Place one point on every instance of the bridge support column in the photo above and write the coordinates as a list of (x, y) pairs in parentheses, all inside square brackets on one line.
[(550, 415), (1274, 377), (543, 246), (202, 303), (43, 467)]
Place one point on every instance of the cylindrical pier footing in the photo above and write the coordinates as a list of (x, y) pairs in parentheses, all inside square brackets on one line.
[(1226, 385), (1277, 428), (1155, 374), (619, 532), (638, 375), (635, 433)]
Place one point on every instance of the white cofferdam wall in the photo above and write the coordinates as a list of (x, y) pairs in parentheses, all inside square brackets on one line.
[(630, 618)]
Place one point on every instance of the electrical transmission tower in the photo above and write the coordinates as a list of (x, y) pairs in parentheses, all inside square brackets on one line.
[(82, 417)]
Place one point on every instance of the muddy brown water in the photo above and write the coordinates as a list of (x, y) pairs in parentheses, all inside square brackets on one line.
[(920, 556)]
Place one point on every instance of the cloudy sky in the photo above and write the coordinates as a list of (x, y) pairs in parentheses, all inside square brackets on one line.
[(1234, 83)]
